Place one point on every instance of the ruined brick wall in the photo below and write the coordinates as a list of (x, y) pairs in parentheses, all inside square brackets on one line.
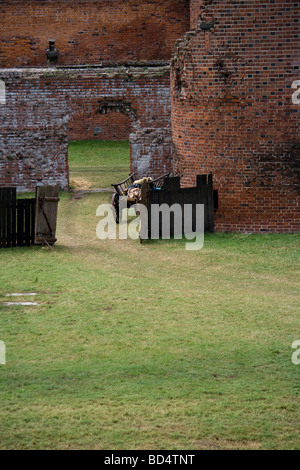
[(111, 126), (34, 156), (42, 103), (90, 32), (151, 152), (233, 114)]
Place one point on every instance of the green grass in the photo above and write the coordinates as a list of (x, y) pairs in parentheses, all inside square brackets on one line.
[(98, 164), (150, 346)]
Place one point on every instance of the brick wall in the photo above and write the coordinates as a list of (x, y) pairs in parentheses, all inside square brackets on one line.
[(151, 152), (90, 32), (34, 156), (42, 103), (98, 32), (232, 110), (111, 126)]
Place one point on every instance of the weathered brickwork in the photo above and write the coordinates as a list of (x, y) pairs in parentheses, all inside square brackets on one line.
[(232, 80), (41, 104), (89, 35), (151, 152), (111, 126), (34, 156), (233, 114), (90, 32)]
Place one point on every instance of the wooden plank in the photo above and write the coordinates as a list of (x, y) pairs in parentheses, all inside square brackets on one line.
[(46, 214), (20, 222), (205, 202), (32, 221), (27, 224), (14, 219), (145, 218), (11, 216), (201, 180), (7, 216), (216, 199), (210, 203), (172, 197), (4, 199)]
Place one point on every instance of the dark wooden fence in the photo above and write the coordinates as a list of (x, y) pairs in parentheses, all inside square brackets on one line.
[(17, 219), (172, 193)]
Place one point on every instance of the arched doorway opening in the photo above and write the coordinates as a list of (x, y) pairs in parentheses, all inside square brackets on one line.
[(99, 152)]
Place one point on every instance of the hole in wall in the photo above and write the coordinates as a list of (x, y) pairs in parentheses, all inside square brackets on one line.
[(98, 150)]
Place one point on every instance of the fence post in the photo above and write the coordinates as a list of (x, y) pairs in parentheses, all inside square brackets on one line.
[(210, 203), (8, 217), (145, 215)]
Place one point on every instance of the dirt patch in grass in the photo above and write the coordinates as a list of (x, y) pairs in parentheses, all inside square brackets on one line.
[(80, 183)]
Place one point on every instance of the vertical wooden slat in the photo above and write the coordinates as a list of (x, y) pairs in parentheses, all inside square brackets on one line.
[(46, 214), (14, 218), (8, 217), (173, 198), (11, 217), (27, 224), (17, 219), (210, 203), (20, 222), (4, 214), (32, 230), (201, 184)]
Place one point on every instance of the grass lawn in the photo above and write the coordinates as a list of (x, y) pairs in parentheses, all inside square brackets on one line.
[(148, 346), (95, 164)]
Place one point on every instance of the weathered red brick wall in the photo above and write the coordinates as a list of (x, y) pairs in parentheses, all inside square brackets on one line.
[(233, 114), (111, 126), (102, 32), (90, 32), (42, 103), (196, 7)]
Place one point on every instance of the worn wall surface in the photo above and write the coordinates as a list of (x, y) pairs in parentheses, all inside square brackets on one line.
[(41, 104), (90, 32), (111, 126), (233, 114), (151, 152), (89, 35)]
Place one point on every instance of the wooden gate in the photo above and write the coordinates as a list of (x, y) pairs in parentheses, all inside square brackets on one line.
[(24, 222), (46, 214), (17, 219)]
